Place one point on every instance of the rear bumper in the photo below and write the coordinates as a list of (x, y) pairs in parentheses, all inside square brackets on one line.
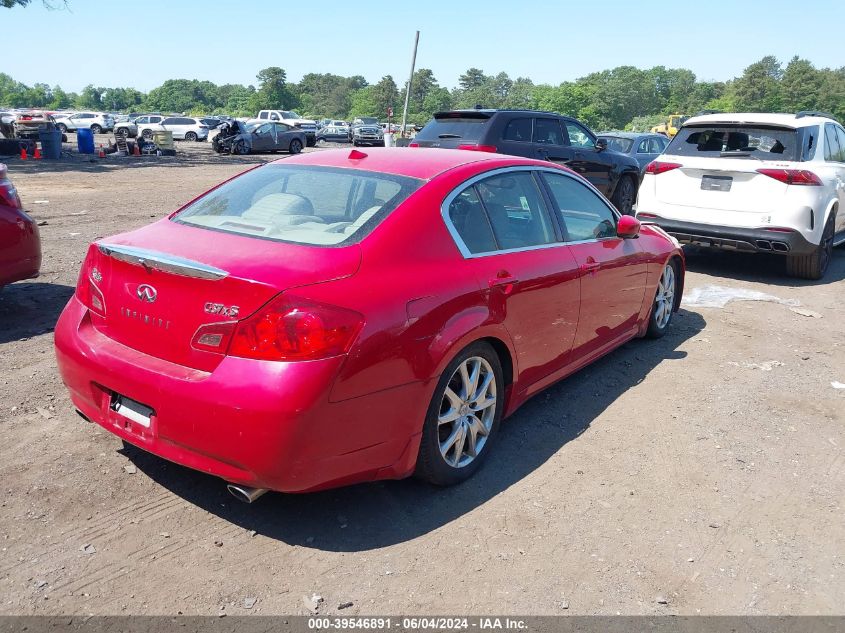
[(749, 240), (261, 424), (23, 261)]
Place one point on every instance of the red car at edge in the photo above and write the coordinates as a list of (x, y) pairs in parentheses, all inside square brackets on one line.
[(20, 243), (343, 316)]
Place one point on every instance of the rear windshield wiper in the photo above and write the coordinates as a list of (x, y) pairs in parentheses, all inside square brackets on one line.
[(447, 135)]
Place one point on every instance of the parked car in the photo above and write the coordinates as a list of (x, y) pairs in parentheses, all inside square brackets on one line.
[(366, 131), (756, 183), (341, 316), (183, 127), (127, 127), (336, 132), (20, 243), (28, 124), (309, 126), (97, 122), (146, 124), (544, 135), (211, 122), (642, 147), (246, 138)]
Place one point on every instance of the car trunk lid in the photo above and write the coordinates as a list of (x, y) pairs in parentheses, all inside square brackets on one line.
[(160, 284)]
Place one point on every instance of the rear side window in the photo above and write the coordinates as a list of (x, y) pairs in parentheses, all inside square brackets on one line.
[(548, 131), (833, 151), (305, 205), (766, 143), (471, 222), (516, 210), (462, 128), (518, 130), (583, 214), (840, 136)]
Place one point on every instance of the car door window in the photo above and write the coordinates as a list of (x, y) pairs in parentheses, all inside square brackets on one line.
[(578, 136), (516, 210), (840, 137), (274, 117), (831, 145), (547, 131), (643, 147), (582, 212), (282, 127), (518, 130)]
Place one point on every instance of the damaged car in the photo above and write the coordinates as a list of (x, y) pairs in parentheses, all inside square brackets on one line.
[(237, 137)]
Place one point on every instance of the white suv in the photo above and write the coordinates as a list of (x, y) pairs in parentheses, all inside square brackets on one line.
[(770, 183), (97, 122)]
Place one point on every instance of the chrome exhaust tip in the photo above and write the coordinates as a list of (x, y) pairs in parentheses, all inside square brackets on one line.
[(245, 493)]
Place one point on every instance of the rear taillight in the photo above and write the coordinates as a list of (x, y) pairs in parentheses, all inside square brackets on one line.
[(793, 176), (659, 167), (290, 329), (9, 195), (87, 288), (478, 148), (413, 144)]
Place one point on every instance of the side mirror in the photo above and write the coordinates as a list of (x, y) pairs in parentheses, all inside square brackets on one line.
[(628, 227), (601, 144)]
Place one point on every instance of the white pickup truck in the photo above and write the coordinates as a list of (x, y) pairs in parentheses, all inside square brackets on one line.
[(292, 118)]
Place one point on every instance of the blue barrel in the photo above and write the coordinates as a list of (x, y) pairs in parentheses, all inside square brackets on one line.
[(85, 141), (51, 143)]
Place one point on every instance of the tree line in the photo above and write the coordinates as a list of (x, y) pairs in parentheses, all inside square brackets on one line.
[(624, 97)]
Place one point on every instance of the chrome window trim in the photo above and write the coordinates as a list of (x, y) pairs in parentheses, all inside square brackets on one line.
[(459, 242), (161, 261)]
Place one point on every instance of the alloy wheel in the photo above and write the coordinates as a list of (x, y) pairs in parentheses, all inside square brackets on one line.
[(467, 412), (664, 301)]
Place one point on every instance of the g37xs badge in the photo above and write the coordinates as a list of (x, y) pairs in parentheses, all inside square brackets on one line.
[(219, 308)]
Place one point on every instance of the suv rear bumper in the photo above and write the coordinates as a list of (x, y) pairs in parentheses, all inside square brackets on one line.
[(757, 240)]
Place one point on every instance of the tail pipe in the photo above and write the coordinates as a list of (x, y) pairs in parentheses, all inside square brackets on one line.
[(245, 493)]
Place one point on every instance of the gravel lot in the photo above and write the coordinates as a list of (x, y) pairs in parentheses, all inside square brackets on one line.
[(701, 473)]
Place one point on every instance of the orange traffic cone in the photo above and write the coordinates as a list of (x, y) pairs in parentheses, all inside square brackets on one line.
[(23, 153), (136, 151), (37, 154), (101, 154)]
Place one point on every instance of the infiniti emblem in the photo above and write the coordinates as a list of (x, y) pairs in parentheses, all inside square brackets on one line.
[(146, 293)]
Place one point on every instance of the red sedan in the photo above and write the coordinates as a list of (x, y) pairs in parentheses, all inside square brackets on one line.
[(343, 316), (20, 244)]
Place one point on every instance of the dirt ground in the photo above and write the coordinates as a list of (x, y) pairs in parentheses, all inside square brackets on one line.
[(701, 473)]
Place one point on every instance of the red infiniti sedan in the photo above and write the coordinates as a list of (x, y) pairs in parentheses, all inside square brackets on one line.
[(20, 244), (345, 316)]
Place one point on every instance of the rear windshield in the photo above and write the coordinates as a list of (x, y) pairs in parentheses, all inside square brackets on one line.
[(465, 129), (301, 204), (766, 143), (617, 144)]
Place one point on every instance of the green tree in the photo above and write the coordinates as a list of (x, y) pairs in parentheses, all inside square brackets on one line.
[(800, 85), (472, 78), (273, 91), (90, 98), (758, 89)]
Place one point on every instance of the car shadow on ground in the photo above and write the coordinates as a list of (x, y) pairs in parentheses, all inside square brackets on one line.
[(374, 515), (758, 267), (94, 165), (30, 308)]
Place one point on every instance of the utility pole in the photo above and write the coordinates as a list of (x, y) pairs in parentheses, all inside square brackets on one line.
[(408, 89)]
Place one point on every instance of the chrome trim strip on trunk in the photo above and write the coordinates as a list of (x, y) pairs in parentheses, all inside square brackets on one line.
[(161, 261)]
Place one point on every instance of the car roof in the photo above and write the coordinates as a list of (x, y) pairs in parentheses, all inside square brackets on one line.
[(760, 118), (492, 111), (422, 163), (631, 135)]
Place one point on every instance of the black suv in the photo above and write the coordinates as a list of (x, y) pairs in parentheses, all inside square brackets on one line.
[(544, 135)]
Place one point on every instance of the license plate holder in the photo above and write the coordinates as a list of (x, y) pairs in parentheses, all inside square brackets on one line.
[(716, 183), (133, 410)]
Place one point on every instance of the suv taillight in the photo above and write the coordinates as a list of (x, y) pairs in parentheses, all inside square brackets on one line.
[(657, 167), (290, 328), (793, 176)]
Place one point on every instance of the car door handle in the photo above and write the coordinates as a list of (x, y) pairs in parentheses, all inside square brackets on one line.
[(589, 267), (506, 283)]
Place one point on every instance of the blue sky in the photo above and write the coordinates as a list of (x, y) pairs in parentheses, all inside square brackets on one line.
[(547, 41)]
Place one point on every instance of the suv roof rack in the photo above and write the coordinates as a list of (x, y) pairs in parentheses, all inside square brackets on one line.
[(803, 113)]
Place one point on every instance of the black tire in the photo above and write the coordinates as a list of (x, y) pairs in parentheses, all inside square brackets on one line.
[(96, 129), (147, 135), (815, 265), (310, 142), (61, 127), (295, 146), (239, 147), (191, 136), (659, 321), (432, 465), (625, 194)]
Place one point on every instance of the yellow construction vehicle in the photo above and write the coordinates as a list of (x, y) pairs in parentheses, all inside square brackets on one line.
[(671, 126)]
